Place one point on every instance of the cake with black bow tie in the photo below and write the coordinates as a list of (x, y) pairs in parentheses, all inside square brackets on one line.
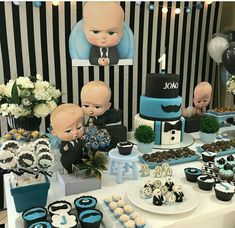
[(160, 108)]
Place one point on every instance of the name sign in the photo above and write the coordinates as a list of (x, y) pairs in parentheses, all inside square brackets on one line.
[(171, 85)]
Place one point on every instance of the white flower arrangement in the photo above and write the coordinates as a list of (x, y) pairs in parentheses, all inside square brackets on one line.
[(230, 84), (28, 96)]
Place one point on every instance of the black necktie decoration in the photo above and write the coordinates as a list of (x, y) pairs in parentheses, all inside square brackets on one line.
[(104, 51), (169, 127)]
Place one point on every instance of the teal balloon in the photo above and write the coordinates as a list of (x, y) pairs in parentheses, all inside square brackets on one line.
[(151, 6), (37, 4)]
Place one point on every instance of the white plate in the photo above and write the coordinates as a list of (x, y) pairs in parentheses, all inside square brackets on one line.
[(190, 201)]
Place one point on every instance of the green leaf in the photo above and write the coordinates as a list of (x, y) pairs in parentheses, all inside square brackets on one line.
[(14, 94)]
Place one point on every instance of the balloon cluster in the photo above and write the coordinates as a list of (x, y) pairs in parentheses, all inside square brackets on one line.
[(221, 48)]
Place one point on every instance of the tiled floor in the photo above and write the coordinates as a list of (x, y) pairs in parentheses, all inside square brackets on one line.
[(3, 217)]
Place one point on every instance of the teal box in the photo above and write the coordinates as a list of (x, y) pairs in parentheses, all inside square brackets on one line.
[(30, 196)]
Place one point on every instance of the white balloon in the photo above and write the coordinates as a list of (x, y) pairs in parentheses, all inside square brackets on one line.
[(216, 48), (17, 3)]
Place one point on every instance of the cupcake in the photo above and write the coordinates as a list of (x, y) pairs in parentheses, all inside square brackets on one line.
[(64, 220), (226, 172), (128, 209), (91, 218), (192, 174), (231, 160), (129, 224), (118, 212), (205, 182), (224, 191), (59, 207), (34, 214), (84, 203), (43, 224), (170, 198), (219, 164), (140, 222), (125, 148), (208, 156), (112, 206)]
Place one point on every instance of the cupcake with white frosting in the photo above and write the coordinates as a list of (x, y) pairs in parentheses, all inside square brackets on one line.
[(224, 191)]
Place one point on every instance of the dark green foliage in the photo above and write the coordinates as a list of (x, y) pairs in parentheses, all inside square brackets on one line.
[(14, 94), (209, 124), (95, 164), (144, 134)]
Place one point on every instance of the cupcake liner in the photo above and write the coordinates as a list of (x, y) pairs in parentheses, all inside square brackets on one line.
[(33, 215), (223, 196), (90, 218)]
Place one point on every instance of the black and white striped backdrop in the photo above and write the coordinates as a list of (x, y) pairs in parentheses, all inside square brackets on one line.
[(35, 40)]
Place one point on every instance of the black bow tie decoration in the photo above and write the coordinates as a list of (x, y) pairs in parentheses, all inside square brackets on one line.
[(170, 127)]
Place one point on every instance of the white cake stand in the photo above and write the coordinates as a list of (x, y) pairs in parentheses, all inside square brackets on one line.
[(188, 141)]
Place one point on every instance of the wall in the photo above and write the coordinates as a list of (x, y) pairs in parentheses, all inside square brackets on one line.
[(35, 40)]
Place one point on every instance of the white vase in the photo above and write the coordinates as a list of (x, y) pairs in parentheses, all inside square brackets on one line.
[(145, 147), (207, 137)]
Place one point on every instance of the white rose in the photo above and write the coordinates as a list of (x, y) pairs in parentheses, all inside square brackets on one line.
[(42, 95), (4, 109), (8, 88), (24, 82), (2, 89), (42, 85), (39, 77), (41, 110), (51, 105), (26, 102)]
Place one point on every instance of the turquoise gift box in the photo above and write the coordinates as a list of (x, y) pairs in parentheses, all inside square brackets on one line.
[(29, 196)]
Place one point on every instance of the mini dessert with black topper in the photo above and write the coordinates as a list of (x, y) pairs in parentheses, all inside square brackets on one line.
[(231, 160), (224, 191), (192, 174), (125, 147), (226, 172), (59, 207), (219, 164), (178, 193), (208, 156), (158, 198), (205, 182)]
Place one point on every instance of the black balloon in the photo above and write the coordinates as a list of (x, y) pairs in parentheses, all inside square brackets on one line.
[(228, 58)]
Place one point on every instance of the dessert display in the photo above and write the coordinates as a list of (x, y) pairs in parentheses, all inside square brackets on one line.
[(205, 182), (84, 203), (171, 156), (91, 218), (125, 148), (224, 191), (192, 174), (34, 215), (160, 108), (124, 212)]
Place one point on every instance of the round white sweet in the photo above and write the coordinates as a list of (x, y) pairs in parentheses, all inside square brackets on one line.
[(139, 221), (11, 145), (41, 149), (108, 199), (120, 203), (41, 142), (129, 224), (128, 209), (123, 218), (112, 205), (118, 212), (134, 215), (116, 197), (26, 159), (45, 160)]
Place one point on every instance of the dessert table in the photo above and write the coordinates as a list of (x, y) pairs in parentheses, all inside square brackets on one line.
[(210, 212)]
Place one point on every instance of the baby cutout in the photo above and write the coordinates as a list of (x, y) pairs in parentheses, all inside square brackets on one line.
[(201, 99)]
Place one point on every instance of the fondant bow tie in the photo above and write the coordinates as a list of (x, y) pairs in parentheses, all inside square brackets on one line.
[(169, 127)]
